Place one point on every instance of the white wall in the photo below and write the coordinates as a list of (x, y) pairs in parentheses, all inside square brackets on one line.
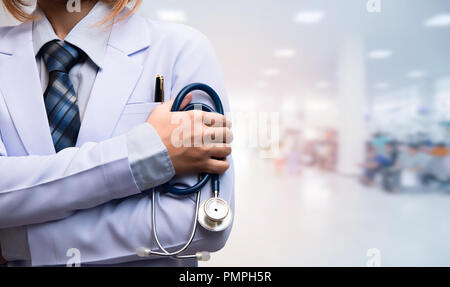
[(442, 98), (352, 104)]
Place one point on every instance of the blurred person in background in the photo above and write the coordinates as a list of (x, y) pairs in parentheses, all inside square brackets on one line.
[(370, 166), (390, 172), (280, 158), (333, 151), (379, 140), (436, 171), (447, 167), (412, 165), (309, 156), (425, 147), (293, 160), (322, 151), (327, 151), (440, 150)]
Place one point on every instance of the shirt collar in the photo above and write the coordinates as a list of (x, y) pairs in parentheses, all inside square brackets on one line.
[(87, 34)]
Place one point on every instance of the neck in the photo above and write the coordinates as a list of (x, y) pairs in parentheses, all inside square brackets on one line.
[(62, 19)]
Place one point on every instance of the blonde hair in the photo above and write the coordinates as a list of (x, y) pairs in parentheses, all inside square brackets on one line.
[(16, 8)]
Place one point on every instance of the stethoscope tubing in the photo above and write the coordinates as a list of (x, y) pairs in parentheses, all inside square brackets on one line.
[(198, 87), (174, 254)]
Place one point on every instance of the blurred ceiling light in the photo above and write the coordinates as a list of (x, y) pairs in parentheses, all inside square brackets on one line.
[(416, 74), (381, 86), (271, 72), (322, 85), (262, 85), (380, 54), (284, 53), (309, 17), (440, 20), (171, 15)]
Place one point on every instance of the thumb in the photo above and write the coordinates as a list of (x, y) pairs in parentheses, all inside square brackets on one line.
[(168, 105), (186, 101)]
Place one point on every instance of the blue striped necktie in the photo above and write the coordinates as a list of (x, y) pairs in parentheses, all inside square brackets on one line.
[(60, 97)]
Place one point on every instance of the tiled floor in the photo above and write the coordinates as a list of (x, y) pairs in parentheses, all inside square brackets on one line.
[(319, 219)]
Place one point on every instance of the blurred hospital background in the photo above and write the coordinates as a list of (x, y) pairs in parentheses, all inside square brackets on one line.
[(357, 93)]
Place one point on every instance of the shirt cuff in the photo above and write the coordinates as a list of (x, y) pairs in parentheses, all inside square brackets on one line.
[(148, 157)]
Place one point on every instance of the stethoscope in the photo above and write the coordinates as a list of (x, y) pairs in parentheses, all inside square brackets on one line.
[(214, 214)]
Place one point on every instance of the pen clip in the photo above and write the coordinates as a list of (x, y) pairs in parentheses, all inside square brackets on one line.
[(159, 89)]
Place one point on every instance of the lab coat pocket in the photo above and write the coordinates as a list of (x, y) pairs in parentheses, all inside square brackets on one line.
[(139, 108), (133, 115)]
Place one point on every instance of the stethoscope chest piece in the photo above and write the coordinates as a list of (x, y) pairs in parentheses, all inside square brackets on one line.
[(215, 214)]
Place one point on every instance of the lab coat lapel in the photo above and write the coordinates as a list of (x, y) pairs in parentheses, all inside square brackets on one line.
[(22, 91), (115, 82), (113, 86)]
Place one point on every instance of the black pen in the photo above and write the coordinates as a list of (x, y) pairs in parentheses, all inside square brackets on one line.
[(159, 89)]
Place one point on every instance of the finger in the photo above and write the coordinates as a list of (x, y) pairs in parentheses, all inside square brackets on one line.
[(216, 166), (219, 152), (186, 101), (217, 135), (215, 119), (168, 104)]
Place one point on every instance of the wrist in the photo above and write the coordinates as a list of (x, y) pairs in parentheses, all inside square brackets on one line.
[(149, 159)]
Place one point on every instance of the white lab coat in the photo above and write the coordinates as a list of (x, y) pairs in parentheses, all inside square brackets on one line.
[(86, 197)]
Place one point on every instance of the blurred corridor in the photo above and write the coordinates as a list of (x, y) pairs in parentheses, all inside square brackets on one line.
[(361, 95), (322, 219)]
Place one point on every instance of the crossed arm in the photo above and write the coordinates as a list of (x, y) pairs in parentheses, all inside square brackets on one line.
[(87, 197)]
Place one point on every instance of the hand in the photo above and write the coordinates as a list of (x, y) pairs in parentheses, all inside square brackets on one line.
[(190, 157)]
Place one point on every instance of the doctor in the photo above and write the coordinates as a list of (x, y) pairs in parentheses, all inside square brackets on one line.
[(82, 138)]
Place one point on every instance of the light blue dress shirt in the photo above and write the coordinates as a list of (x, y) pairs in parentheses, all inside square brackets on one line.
[(149, 160)]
